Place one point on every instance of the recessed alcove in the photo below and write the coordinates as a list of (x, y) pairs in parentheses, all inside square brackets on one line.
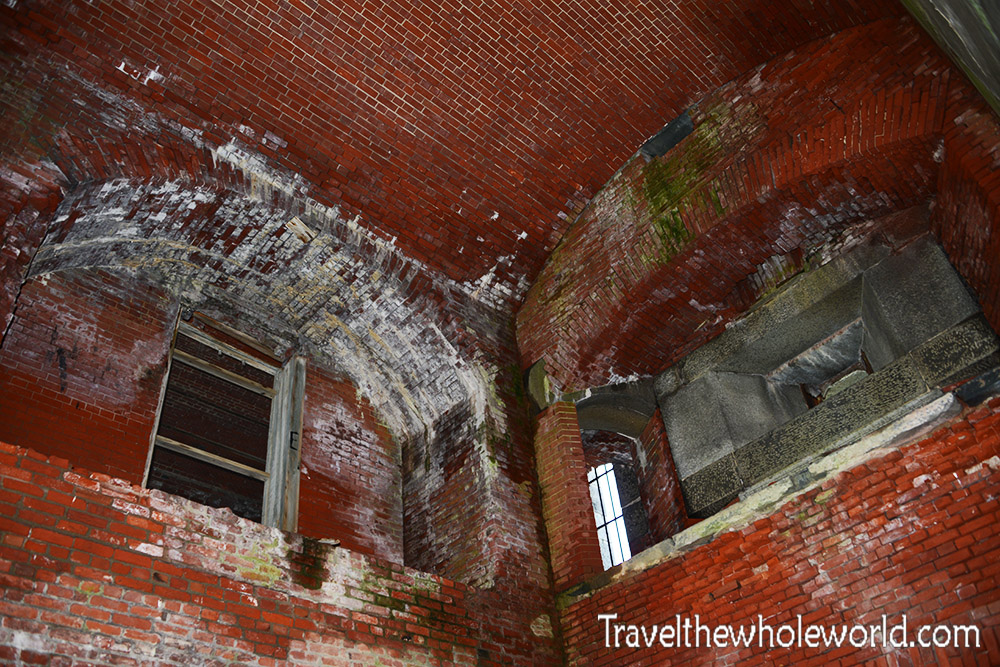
[(834, 354)]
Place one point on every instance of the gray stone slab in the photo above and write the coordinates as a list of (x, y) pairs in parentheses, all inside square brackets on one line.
[(806, 291), (752, 406), (797, 335), (667, 382), (669, 136), (910, 298), (845, 382), (825, 360), (707, 419), (970, 32), (711, 488), (622, 408), (841, 419), (959, 353), (878, 344), (696, 427)]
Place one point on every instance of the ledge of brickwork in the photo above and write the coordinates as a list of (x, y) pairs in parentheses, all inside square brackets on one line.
[(95, 568), (769, 496)]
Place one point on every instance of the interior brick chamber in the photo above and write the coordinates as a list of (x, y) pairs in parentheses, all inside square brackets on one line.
[(418, 200), (772, 177)]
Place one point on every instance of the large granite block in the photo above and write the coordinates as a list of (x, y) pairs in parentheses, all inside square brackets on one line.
[(844, 418), (910, 298), (708, 418)]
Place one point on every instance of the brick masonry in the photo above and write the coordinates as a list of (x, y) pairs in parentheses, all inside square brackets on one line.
[(350, 480), (383, 112), (377, 189), (566, 504), (82, 366), (97, 570), (968, 205), (658, 481), (773, 177), (25, 215), (81, 372), (914, 532)]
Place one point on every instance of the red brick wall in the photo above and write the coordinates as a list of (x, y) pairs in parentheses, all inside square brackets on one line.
[(81, 369), (600, 447), (658, 481), (967, 215), (774, 172), (566, 504), (914, 532), (81, 372), (350, 487), (24, 218), (95, 569)]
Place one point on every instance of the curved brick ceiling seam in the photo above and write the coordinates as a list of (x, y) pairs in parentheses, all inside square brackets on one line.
[(441, 128), (342, 294), (664, 255)]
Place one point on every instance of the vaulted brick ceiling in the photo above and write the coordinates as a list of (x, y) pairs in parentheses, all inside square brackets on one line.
[(469, 135), (385, 181)]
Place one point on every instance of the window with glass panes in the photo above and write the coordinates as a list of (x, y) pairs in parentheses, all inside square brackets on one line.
[(608, 515)]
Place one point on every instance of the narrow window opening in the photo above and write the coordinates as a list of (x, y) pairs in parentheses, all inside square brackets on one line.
[(225, 426), (608, 515)]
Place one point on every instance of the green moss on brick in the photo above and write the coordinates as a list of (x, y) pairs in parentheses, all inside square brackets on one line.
[(671, 186)]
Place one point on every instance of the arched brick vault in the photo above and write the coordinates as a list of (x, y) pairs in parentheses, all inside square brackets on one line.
[(785, 167), (330, 290), (453, 130)]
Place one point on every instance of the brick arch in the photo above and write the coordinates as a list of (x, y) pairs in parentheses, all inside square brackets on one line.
[(793, 159), (294, 277)]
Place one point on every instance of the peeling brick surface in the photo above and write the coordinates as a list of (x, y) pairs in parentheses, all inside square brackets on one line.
[(24, 217), (83, 345), (471, 499), (96, 570), (775, 172), (566, 504), (967, 215), (81, 369), (658, 481), (350, 481), (377, 187), (600, 447), (915, 532)]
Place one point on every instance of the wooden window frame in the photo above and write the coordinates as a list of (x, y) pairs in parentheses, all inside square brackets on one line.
[(281, 471)]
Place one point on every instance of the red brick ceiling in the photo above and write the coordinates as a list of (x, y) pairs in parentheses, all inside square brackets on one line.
[(469, 134)]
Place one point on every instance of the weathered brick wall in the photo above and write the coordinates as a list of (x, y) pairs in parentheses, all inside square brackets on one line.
[(658, 481), (81, 373), (471, 500), (96, 570), (24, 217), (351, 474), (775, 174), (913, 532), (566, 505), (600, 447), (81, 369), (967, 215)]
